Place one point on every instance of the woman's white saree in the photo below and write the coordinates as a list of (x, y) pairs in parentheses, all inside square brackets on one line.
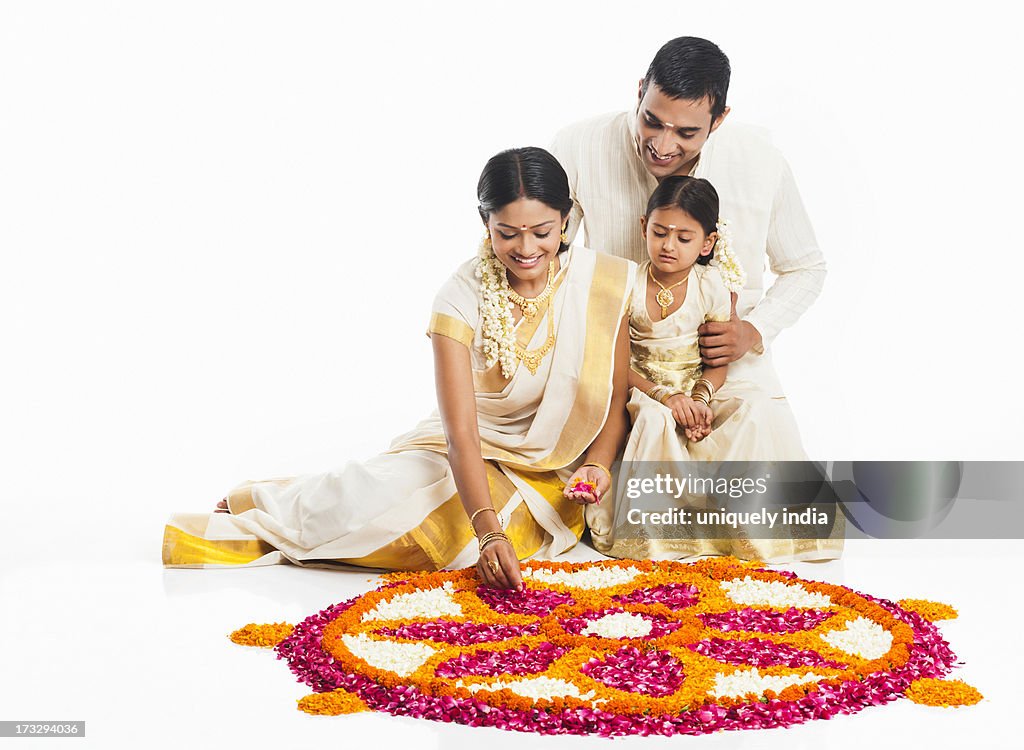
[(400, 510)]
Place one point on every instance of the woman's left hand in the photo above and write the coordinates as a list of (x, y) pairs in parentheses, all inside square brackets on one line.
[(587, 475)]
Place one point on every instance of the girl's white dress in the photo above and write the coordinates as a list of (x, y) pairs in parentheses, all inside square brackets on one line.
[(745, 428)]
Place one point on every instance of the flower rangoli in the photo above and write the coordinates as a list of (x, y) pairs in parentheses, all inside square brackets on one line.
[(619, 647)]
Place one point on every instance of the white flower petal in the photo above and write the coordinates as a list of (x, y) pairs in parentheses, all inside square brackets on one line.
[(431, 603), (401, 658), (588, 578), (773, 593), (744, 681), (619, 625), (861, 637)]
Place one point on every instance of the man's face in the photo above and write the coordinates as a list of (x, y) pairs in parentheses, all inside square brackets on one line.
[(671, 132)]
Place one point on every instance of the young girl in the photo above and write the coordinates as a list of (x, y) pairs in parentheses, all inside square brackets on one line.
[(681, 410)]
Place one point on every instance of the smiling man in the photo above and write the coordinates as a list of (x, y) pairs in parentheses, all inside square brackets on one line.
[(678, 127)]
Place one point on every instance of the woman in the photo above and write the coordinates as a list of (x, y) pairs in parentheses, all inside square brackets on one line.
[(531, 354)]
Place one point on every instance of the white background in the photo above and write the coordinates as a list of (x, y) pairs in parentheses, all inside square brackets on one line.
[(222, 225)]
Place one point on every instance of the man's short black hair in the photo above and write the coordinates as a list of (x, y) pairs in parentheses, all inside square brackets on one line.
[(692, 68)]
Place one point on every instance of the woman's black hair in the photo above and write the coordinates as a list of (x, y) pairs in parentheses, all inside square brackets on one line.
[(696, 196), (528, 172)]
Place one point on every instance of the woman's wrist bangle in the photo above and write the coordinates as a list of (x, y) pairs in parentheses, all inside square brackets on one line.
[(601, 467), (491, 536), (472, 518)]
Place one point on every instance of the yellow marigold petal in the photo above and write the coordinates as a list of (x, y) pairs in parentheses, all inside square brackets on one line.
[(931, 611), (264, 636), (931, 692), (334, 703)]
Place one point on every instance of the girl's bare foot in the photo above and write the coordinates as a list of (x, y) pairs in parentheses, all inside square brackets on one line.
[(222, 506)]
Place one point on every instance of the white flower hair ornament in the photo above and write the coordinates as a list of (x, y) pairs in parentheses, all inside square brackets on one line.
[(725, 259), (499, 341)]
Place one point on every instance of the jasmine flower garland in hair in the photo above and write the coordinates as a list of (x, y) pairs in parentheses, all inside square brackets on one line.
[(725, 260), (499, 341)]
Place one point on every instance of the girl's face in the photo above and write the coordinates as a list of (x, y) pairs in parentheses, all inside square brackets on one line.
[(675, 239), (526, 236)]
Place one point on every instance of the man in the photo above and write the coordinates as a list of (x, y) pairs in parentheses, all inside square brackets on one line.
[(615, 161)]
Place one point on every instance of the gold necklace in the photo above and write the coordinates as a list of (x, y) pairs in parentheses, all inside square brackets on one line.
[(530, 306), (665, 298), (532, 359)]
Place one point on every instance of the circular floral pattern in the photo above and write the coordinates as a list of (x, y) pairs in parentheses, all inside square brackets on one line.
[(661, 648)]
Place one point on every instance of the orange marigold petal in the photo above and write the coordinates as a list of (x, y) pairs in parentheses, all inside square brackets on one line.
[(263, 636), (333, 703), (931, 611), (932, 692)]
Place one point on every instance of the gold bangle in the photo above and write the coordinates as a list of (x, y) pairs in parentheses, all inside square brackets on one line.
[(601, 467), (653, 391), (706, 382), (472, 518), (491, 536)]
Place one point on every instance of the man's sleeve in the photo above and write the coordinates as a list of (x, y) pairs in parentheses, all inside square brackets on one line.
[(793, 255), (565, 148)]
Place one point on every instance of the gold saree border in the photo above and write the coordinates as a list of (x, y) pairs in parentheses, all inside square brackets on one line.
[(182, 548), (452, 327), (609, 292)]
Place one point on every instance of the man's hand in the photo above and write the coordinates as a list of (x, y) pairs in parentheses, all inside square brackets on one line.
[(722, 343)]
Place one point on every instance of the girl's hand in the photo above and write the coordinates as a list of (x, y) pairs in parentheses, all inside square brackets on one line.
[(498, 566), (703, 426), (587, 485), (685, 410)]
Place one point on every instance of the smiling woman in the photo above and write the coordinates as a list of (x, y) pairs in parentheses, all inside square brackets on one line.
[(522, 434)]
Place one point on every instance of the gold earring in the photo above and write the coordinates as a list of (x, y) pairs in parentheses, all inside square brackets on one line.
[(565, 237), (487, 240)]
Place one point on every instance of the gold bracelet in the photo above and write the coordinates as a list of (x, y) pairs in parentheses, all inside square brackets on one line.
[(472, 518), (601, 467), (706, 382), (701, 389), (654, 391), (491, 536)]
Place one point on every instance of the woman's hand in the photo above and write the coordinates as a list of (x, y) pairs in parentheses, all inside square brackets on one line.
[(587, 475), (498, 566)]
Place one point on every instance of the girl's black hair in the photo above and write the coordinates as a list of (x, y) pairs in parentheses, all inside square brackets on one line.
[(528, 172), (696, 196)]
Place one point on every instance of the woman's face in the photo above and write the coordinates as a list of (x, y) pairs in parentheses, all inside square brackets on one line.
[(675, 239), (526, 236)]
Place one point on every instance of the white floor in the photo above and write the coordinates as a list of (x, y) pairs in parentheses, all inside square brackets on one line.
[(140, 653)]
